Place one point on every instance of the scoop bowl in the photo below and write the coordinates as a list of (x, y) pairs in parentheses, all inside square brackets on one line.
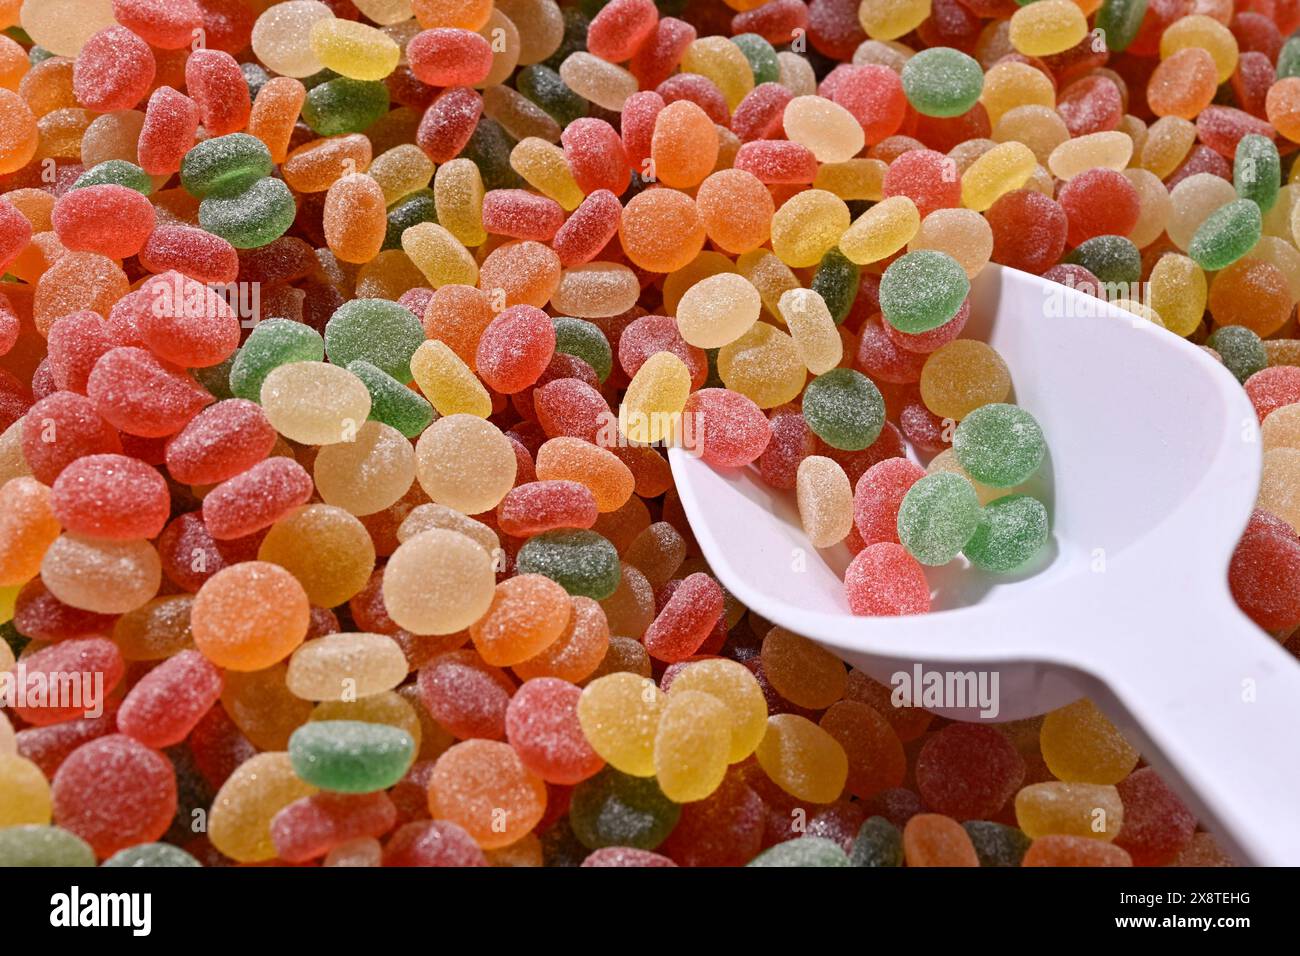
[(1153, 468)]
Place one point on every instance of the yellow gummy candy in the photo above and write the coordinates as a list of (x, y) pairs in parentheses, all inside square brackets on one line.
[(619, 715), (447, 382), (654, 399)]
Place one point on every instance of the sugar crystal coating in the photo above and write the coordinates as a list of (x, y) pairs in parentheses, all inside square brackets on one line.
[(937, 518), (999, 445)]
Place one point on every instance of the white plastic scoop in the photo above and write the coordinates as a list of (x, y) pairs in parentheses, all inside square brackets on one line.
[(1153, 469)]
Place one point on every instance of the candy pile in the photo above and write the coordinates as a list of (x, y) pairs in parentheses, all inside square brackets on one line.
[(339, 342)]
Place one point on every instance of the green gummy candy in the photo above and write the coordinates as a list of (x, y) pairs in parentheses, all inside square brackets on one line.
[(878, 843), (216, 378), (391, 402), (617, 809), (252, 218), (36, 845), (804, 851), (584, 340), (350, 756), (1011, 531), (761, 56), (543, 86), (380, 331), (1288, 60), (1257, 170), (1242, 351), (1119, 20), (942, 81), (999, 445), (844, 409), (997, 844), (489, 147), (583, 562), (144, 855), (116, 172), (937, 517), (271, 344), (225, 165), (836, 281), (1112, 259), (409, 211), (1227, 234), (343, 105), (922, 290)]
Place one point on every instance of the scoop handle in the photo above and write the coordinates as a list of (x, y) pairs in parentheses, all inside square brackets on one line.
[(1214, 704)]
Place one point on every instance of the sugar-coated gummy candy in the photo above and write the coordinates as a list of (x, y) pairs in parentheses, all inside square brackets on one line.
[(350, 756), (717, 310), (1241, 350), (844, 408), (729, 429), (1011, 531), (692, 746), (26, 799), (438, 582), (144, 855), (112, 811), (255, 498), (942, 81), (962, 376), (480, 784), (997, 844), (262, 212), (43, 845), (169, 701), (801, 671), (806, 851), (240, 821), (1061, 849), (247, 642), (619, 714), (938, 517), (825, 500), (802, 759), (465, 463), (1079, 744), (28, 526), (968, 771), (345, 666), (933, 839), (616, 809), (922, 290), (542, 726), (100, 574), (999, 445), (1087, 810), (466, 696), (877, 843), (1157, 825)]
